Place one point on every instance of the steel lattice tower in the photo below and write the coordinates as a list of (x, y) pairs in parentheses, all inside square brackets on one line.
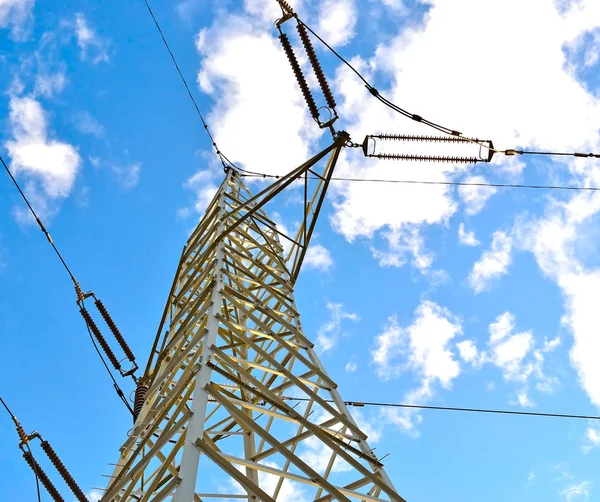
[(229, 350)]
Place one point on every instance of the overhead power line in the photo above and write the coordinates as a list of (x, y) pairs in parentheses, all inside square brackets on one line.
[(222, 157), (453, 408), (14, 419), (446, 130), (76, 284), (447, 183), (39, 222)]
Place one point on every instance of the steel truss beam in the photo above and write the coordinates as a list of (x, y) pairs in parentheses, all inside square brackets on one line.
[(230, 348)]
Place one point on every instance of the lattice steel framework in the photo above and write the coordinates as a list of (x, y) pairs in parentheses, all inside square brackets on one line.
[(229, 350)]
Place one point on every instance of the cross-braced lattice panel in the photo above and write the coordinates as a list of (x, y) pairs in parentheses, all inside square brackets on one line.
[(234, 319)]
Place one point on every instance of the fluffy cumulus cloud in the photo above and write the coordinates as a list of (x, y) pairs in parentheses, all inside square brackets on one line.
[(423, 347), (351, 366), (517, 355), (493, 263), (92, 46), (561, 242), (268, 10), (467, 350), (329, 333), (94, 496), (466, 237), (245, 69), (337, 19), (592, 438), (204, 187), (318, 257), (48, 165), (15, 15)]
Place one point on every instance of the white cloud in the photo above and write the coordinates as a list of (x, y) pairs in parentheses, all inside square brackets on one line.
[(560, 242), (520, 359), (337, 19), (94, 496), (34, 155), (509, 355), (318, 257), (524, 400), (268, 482), (400, 243), (517, 115), (501, 327), (467, 350), (92, 46), (318, 455), (577, 492), (493, 263), (268, 10), (422, 346), (467, 238), (329, 333), (48, 84), (204, 187), (128, 175), (351, 366), (592, 438), (187, 8), (89, 125), (397, 5), (475, 197), (16, 14), (246, 71), (516, 355)]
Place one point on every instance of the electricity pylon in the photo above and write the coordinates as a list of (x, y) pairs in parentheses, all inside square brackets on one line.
[(214, 414)]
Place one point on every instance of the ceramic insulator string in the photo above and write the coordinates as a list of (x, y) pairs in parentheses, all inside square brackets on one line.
[(289, 51), (41, 475), (63, 471), (115, 331)]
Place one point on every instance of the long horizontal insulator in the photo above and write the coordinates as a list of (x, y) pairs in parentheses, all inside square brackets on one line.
[(115, 331), (425, 158), (428, 139), (314, 61), (101, 340), (310, 102), (41, 475), (62, 470)]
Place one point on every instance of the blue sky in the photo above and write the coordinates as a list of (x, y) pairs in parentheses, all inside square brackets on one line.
[(430, 294)]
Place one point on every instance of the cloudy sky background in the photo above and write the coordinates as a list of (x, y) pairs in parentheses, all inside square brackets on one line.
[(413, 293)]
